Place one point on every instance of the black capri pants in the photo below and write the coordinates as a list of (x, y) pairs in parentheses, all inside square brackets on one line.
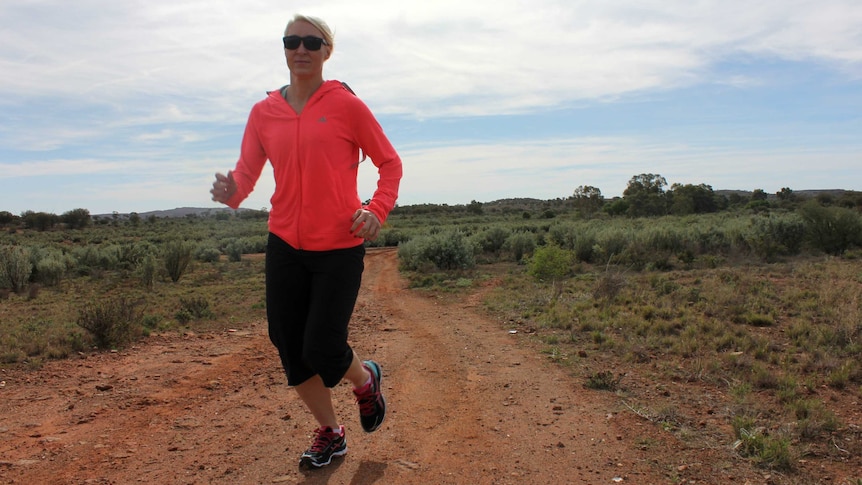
[(310, 296)]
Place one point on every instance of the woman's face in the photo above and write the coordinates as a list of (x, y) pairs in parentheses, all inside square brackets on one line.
[(301, 61)]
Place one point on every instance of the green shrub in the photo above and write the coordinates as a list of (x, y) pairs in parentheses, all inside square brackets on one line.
[(445, 251), (207, 254), (603, 381), (130, 254), (551, 263), (147, 271), (254, 244), (177, 256), (15, 267), (520, 244), (491, 240), (51, 269), (234, 250), (389, 238), (112, 323), (93, 257), (197, 307), (832, 230), (584, 247), (611, 244), (773, 236)]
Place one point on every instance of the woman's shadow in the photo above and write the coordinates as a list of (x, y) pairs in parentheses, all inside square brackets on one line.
[(368, 473)]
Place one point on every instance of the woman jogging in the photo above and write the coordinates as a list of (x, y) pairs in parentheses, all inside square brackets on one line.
[(315, 133)]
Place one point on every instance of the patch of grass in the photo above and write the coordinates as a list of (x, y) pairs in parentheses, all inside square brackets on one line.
[(603, 381), (755, 443)]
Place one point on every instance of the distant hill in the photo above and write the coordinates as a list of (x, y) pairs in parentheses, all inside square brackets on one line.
[(836, 193), (518, 203), (180, 212)]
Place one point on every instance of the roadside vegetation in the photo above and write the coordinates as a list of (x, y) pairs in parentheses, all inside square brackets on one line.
[(731, 320)]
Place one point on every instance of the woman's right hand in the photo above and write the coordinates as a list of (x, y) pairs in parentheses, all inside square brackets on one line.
[(224, 187)]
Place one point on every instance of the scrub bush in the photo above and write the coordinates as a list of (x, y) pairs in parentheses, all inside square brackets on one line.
[(773, 236), (445, 251), (51, 269), (177, 256), (551, 263), (15, 267), (207, 254), (832, 230), (111, 323), (520, 244)]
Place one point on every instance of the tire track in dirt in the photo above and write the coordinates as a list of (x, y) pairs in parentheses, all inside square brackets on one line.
[(468, 404)]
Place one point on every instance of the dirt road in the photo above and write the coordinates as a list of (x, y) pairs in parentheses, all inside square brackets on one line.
[(468, 404)]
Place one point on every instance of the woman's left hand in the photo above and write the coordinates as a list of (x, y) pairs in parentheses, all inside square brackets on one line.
[(365, 225)]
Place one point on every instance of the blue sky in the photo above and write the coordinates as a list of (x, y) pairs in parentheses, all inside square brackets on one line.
[(133, 105)]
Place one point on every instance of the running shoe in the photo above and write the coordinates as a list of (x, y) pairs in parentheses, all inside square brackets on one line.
[(372, 406), (327, 444)]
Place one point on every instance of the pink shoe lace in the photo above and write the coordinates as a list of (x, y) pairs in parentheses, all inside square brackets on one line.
[(325, 435)]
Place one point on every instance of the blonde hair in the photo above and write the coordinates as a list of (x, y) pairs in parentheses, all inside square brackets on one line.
[(318, 23)]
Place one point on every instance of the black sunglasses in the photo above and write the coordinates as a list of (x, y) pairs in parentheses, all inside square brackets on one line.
[(310, 42)]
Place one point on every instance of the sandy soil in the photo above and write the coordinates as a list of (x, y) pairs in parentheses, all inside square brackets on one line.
[(469, 403)]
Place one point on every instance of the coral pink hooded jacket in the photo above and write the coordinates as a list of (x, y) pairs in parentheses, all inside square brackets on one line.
[(315, 157)]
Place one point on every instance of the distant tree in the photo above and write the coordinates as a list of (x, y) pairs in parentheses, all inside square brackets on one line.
[(76, 218), (588, 199), (617, 207), (692, 199), (825, 199), (134, 219), (251, 214), (475, 207), (645, 195), (40, 221), (759, 194), (785, 194), (735, 199), (6, 218)]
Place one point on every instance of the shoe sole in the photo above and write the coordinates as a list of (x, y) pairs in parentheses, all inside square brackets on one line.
[(308, 463)]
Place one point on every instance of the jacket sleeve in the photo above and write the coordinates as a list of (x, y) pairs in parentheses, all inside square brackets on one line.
[(374, 143), (248, 168)]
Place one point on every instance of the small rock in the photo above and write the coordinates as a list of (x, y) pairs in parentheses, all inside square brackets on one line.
[(104, 387)]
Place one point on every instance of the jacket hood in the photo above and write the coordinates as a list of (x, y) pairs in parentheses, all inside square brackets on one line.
[(325, 88)]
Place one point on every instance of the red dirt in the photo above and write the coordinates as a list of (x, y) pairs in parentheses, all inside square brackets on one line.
[(469, 403)]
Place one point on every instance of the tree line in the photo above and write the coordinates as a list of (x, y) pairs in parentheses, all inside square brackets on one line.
[(646, 195)]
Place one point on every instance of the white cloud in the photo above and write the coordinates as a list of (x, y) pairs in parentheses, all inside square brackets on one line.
[(498, 57)]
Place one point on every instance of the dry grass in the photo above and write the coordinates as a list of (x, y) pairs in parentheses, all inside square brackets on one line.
[(778, 347)]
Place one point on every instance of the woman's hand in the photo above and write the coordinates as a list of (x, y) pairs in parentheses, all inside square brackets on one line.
[(365, 225), (223, 188)]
